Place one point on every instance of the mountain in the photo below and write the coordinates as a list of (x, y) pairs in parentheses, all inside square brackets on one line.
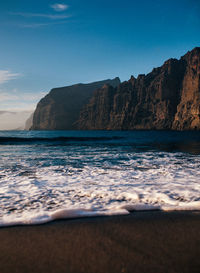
[(29, 122), (167, 98), (60, 109), (13, 120)]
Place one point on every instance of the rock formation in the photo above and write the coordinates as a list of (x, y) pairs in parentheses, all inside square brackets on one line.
[(29, 122), (60, 109), (167, 98), (13, 120), (188, 110)]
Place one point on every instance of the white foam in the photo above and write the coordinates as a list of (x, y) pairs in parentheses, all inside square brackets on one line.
[(32, 192), (29, 219)]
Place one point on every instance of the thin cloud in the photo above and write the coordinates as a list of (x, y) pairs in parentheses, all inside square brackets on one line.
[(41, 15), (38, 25), (6, 75), (14, 95), (59, 7), (13, 99)]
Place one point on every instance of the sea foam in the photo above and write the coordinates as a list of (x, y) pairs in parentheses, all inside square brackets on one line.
[(44, 182)]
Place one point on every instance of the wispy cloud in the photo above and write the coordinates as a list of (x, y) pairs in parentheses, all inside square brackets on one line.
[(37, 20), (59, 7), (6, 75), (41, 15), (7, 97), (14, 99), (14, 94), (38, 25)]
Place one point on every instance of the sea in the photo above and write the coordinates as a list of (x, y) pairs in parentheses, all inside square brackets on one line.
[(48, 175)]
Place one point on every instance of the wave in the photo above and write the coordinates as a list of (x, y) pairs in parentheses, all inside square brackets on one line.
[(61, 214), (29, 140)]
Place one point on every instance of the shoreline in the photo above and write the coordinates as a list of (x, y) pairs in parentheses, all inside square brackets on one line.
[(143, 241)]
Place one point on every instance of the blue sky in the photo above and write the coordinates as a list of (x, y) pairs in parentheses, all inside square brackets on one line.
[(46, 44)]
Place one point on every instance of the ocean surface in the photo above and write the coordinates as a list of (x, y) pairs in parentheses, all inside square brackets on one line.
[(65, 174)]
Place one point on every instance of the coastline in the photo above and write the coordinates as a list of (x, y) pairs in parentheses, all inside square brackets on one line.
[(149, 241)]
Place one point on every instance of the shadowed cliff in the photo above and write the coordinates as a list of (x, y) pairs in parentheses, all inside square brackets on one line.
[(167, 98), (60, 109)]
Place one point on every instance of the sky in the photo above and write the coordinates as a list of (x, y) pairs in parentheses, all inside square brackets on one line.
[(46, 44)]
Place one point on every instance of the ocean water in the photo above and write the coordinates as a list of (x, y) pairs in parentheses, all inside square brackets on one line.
[(65, 174)]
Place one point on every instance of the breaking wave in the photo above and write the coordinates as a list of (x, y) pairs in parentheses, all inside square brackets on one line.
[(42, 183)]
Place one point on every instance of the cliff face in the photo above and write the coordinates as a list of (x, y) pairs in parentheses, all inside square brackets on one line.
[(60, 109), (166, 98), (188, 110), (13, 120), (29, 122)]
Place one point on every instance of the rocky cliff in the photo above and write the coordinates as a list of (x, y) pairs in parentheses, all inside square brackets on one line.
[(60, 109), (29, 122), (167, 98), (188, 110), (13, 120)]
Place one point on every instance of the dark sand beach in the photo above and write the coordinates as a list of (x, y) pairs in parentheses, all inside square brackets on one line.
[(139, 242)]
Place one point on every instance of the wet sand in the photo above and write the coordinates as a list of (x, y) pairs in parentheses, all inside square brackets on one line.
[(140, 242)]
